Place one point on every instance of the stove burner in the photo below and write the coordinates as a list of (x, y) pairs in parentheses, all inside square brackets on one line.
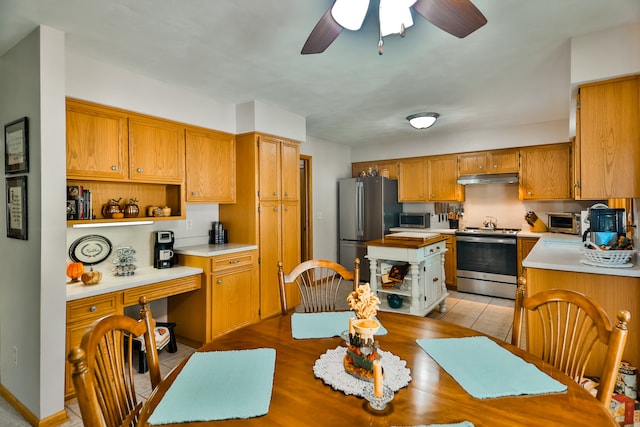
[(486, 230)]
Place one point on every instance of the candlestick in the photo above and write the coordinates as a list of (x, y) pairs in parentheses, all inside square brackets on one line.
[(377, 378)]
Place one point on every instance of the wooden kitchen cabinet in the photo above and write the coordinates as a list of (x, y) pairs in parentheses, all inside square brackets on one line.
[(156, 150), (210, 166), (227, 300), (524, 246), (97, 142), (450, 264), (494, 161), (267, 209), (607, 135), (442, 176), (412, 180), (545, 172)]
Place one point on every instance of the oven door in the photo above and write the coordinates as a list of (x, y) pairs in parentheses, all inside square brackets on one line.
[(495, 255)]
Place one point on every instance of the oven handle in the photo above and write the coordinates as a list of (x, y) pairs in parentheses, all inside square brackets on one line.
[(479, 239)]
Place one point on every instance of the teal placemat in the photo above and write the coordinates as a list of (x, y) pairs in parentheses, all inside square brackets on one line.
[(484, 369), (219, 385), (323, 325)]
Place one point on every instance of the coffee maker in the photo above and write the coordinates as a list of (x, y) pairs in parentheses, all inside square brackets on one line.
[(163, 249), (605, 225)]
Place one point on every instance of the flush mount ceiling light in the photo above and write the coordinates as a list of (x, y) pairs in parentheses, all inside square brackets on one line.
[(422, 120)]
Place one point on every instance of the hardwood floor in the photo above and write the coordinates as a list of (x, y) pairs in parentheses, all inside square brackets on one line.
[(492, 316)]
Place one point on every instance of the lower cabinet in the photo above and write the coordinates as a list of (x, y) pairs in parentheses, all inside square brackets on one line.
[(450, 264), (228, 299), (525, 244)]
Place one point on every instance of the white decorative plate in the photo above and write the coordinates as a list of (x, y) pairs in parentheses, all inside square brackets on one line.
[(90, 250)]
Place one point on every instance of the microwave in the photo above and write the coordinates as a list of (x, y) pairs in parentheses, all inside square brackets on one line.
[(565, 222), (415, 220)]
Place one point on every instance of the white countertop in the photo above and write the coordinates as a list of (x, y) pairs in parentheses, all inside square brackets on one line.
[(563, 252), (213, 250), (142, 276)]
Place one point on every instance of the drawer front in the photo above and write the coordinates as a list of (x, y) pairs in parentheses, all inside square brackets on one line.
[(161, 289), (91, 308), (224, 263)]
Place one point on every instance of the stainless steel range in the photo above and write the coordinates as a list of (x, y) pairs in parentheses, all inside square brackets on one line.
[(487, 261)]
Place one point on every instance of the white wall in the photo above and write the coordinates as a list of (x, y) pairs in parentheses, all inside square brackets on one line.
[(32, 293)]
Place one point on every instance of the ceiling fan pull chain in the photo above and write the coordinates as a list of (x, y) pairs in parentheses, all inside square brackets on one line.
[(403, 30), (380, 47)]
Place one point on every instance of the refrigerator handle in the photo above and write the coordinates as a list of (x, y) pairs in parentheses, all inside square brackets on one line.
[(359, 208)]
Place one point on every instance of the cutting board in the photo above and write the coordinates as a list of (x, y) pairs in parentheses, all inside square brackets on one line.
[(412, 236)]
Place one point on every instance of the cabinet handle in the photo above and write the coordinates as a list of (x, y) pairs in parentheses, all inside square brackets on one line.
[(194, 193), (286, 193), (234, 261), (93, 309), (139, 170), (433, 196), (275, 209), (286, 209), (219, 281), (114, 168), (495, 166), (275, 193), (435, 279), (529, 193)]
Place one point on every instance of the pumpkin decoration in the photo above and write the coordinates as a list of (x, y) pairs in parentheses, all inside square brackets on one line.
[(91, 277), (74, 271)]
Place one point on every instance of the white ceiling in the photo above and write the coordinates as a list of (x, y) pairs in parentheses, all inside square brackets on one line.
[(512, 71)]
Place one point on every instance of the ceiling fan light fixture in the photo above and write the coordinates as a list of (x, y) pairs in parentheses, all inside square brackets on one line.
[(395, 16), (350, 14), (422, 120)]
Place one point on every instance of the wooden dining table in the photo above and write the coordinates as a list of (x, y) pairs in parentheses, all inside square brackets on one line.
[(431, 397)]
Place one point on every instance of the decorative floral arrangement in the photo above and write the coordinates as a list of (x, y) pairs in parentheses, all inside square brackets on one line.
[(363, 302)]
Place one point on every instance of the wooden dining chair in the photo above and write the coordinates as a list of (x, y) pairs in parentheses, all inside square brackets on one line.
[(568, 327), (103, 374), (318, 281)]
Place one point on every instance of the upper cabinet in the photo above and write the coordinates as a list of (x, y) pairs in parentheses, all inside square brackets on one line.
[(608, 139), (545, 172), (97, 142), (279, 169), (495, 161), (156, 150), (386, 168), (210, 166), (412, 180), (442, 174)]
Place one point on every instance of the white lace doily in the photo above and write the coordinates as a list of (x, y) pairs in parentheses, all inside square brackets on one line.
[(330, 368)]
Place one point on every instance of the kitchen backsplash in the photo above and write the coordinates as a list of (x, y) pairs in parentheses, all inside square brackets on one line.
[(501, 202)]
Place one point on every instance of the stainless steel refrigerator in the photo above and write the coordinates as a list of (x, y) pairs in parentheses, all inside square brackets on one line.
[(368, 207)]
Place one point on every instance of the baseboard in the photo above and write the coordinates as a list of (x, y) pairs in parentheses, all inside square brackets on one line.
[(51, 421)]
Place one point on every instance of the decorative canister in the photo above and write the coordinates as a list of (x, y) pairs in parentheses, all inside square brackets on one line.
[(166, 211), (112, 207), (131, 209)]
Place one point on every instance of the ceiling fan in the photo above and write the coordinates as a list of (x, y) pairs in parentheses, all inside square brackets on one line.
[(457, 17)]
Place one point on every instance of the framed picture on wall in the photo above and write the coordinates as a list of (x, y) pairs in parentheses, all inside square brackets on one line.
[(17, 207), (16, 146)]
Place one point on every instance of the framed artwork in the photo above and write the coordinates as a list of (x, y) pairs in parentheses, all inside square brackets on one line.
[(16, 146), (17, 207)]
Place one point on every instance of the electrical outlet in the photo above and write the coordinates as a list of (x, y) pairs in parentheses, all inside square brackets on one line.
[(15, 355), (188, 224)]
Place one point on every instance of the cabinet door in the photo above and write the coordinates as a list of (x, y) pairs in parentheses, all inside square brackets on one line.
[(546, 172), (504, 160), (270, 253), (269, 168), (609, 152), (442, 178), (290, 161), (96, 142), (412, 181), (472, 163), (450, 262), (525, 244), (210, 166), (232, 301), (156, 150), (291, 246)]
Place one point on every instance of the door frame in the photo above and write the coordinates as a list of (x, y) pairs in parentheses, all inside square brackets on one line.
[(306, 208)]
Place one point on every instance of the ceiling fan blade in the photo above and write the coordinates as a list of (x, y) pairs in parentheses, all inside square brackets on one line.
[(457, 17), (323, 34)]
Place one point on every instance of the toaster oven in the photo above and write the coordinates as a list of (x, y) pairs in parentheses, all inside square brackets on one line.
[(564, 222)]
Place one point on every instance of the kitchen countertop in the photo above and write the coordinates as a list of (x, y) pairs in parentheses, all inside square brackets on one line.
[(562, 252), (143, 276), (213, 250)]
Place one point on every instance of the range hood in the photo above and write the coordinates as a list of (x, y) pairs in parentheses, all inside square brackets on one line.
[(490, 178)]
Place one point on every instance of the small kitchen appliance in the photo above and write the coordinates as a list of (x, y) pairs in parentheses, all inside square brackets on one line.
[(163, 249), (565, 222), (605, 225)]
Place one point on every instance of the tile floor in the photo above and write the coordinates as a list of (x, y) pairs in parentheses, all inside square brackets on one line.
[(492, 316)]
